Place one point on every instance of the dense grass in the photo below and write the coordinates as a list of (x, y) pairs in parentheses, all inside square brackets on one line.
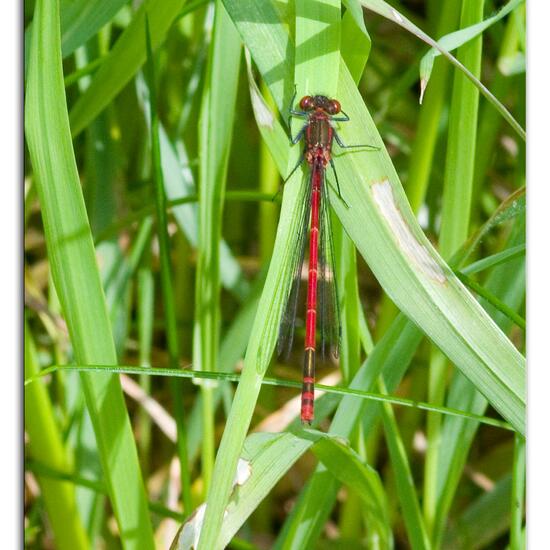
[(158, 257)]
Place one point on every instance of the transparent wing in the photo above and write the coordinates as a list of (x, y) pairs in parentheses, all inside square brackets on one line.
[(329, 312), (288, 320)]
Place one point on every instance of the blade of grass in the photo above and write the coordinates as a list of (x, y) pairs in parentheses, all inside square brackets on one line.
[(124, 60), (215, 132), (355, 43), (231, 377), (81, 19), (145, 318), (370, 172), (455, 221), (456, 435), (75, 274), (493, 300), (499, 258), (459, 165), (429, 122), (384, 9), (517, 496), (268, 455), (406, 490), (46, 445), (458, 38), (166, 276), (318, 36), (484, 521)]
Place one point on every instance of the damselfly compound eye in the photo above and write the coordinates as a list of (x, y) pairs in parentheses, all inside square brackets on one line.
[(334, 107), (307, 103)]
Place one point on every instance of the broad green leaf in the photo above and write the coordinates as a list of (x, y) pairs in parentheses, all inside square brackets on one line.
[(385, 232), (356, 43), (266, 457), (75, 273)]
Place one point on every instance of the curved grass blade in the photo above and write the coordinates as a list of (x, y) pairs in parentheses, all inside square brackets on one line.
[(456, 39), (384, 9), (350, 392), (75, 274), (266, 457), (396, 250)]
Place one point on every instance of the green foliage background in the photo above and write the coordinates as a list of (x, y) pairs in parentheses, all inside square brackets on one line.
[(157, 265)]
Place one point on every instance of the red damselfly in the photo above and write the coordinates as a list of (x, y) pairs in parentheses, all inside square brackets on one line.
[(318, 132)]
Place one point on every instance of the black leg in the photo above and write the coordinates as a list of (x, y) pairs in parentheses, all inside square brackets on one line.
[(290, 109), (294, 140), (338, 184), (344, 118), (298, 164), (344, 146)]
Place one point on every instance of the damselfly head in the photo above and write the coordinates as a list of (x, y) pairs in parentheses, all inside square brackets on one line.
[(330, 106)]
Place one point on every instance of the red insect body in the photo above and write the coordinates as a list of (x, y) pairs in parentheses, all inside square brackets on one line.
[(318, 134), (318, 138)]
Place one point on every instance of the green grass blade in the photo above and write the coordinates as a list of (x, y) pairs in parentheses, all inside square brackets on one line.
[(411, 276), (499, 258), (75, 274), (215, 132), (384, 9), (124, 60), (348, 468), (166, 274), (484, 521), (317, 47), (268, 381), (267, 456), (356, 43), (46, 446), (406, 490), (493, 300), (428, 127), (320, 37), (458, 38), (518, 494), (459, 166), (81, 19), (456, 435), (455, 222)]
